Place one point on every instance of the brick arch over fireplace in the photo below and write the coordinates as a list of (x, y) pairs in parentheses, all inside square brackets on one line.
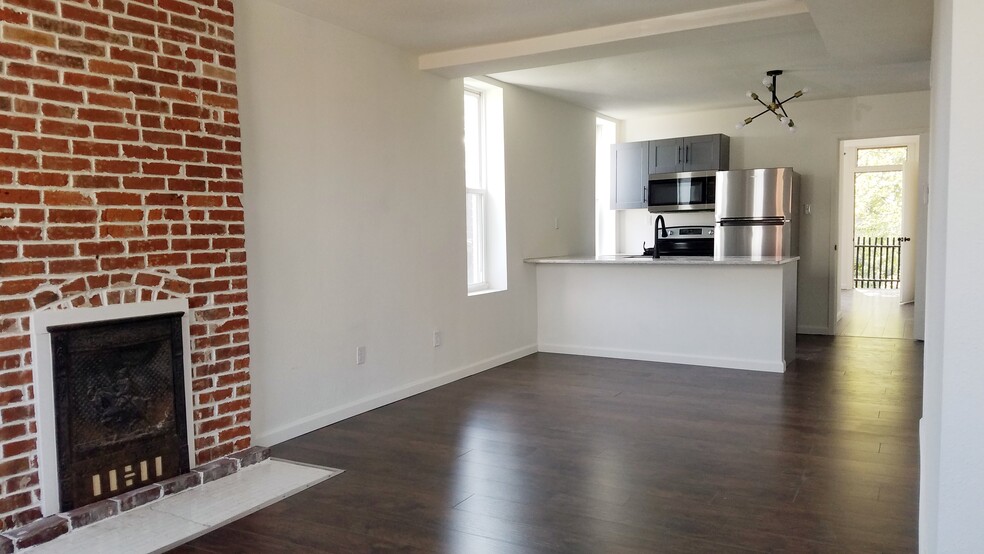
[(120, 182), (104, 289)]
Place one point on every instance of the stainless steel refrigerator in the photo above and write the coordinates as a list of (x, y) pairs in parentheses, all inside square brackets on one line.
[(755, 213)]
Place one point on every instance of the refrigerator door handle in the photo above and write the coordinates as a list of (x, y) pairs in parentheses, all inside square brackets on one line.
[(751, 221)]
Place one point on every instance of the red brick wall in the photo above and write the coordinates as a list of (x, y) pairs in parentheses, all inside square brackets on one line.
[(120, 181)]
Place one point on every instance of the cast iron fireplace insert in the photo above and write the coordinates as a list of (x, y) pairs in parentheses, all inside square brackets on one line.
[(119, 406)]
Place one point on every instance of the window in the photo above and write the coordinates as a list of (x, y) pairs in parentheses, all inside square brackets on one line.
[(475, 189), (484, 188), (878, 177), (604, 214), (895, 156)]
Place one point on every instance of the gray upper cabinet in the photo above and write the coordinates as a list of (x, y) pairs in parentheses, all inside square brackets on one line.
[(665, 156), (706, 153), (630, 175), (700, 153)]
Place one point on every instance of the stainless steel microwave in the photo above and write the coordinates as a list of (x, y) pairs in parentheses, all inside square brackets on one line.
[(676, 192)]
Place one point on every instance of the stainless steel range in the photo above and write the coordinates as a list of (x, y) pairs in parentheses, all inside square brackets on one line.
[(693, 240)]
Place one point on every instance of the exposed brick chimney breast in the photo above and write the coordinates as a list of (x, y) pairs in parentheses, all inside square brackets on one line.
[(120, 182)]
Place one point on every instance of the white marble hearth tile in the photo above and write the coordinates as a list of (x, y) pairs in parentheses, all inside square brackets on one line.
[(259, 486), (139, 530), (176, 519)]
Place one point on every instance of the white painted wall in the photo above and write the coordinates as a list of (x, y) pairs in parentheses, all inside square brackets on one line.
[(355, 220), (813, 152), (952, 437)]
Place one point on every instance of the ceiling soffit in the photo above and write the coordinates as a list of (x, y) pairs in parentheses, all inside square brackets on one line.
[(598, 42)]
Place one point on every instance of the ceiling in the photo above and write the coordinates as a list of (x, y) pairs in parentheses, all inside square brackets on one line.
[(631, 58)]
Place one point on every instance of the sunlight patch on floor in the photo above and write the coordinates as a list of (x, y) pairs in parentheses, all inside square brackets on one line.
[(874, 313)]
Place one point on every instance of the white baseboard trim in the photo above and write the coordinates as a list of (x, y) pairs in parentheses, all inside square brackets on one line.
[(769, 366), (334, 415), (812, 330)]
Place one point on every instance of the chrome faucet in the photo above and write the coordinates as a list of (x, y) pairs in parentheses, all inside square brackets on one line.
[(656, 225)]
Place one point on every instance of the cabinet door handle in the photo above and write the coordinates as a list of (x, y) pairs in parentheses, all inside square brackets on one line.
[(688, 155), (679, 155), (645, 195)]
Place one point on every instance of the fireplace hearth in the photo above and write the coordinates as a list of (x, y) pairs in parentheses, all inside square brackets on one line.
[(120, 416)]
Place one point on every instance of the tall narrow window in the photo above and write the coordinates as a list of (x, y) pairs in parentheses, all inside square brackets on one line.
[(485, 229), (475, 189), (604, 214)]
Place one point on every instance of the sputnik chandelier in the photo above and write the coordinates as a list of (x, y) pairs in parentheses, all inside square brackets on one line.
[(775, 106)]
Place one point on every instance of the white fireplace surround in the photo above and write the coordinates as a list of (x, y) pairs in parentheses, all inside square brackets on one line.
[(44, 389)]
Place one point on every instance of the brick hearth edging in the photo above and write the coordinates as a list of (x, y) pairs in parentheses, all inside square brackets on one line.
[(48, 528)]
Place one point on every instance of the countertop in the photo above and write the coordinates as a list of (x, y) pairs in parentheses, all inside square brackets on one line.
[(630, 259)]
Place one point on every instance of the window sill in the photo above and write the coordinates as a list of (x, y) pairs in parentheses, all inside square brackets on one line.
[(483, 292)]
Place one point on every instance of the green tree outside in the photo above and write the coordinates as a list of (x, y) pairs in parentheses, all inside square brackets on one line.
[(878, 204)]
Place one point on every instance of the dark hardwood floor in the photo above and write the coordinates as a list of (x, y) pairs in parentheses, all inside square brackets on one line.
[(555, 453)]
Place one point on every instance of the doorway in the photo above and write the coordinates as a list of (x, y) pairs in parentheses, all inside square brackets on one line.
[(878, 212)]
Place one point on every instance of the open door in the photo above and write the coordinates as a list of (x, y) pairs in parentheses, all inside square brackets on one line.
[(910, 218), (878, 214)]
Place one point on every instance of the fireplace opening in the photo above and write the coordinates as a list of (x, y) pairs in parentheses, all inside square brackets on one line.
[(120, 417)]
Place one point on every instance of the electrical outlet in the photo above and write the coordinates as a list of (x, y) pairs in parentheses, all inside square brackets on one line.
[(807, 209), (360, 355), (437, 339)]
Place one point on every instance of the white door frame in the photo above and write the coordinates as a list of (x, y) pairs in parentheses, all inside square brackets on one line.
[(911, 207)]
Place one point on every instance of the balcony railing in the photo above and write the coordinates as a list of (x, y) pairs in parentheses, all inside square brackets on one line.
[(877, 262)]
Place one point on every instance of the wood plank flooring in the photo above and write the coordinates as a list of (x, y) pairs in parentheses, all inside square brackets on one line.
[(557, 453)]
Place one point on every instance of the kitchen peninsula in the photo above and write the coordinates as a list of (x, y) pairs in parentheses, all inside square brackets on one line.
[(733, 312)]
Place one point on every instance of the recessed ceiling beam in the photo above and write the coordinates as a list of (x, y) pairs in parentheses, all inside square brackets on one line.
[(610, 40)]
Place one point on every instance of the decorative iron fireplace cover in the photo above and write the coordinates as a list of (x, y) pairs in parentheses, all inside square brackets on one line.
[(120, 406)]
